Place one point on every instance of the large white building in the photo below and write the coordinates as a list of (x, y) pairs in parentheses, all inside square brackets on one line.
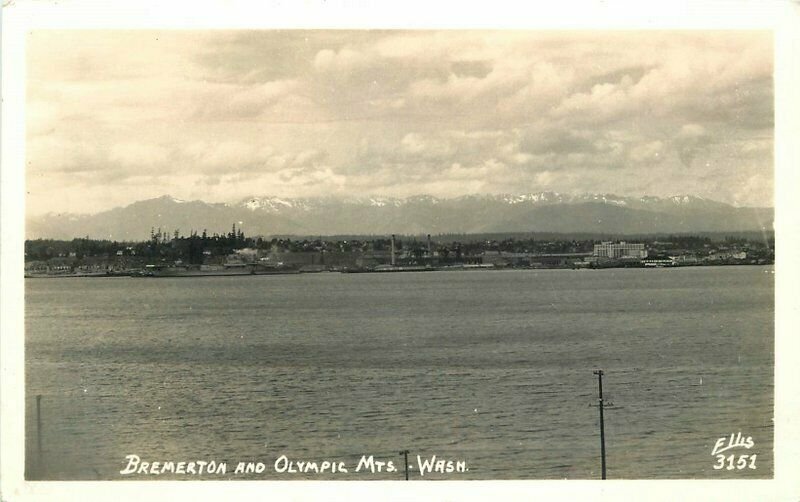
[(620, 250)]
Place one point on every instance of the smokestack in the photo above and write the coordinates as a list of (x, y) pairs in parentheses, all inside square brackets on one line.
[(393, 250), (430, 250)]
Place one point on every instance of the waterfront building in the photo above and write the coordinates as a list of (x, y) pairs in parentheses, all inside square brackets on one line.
[(659, 261), (619, 250)]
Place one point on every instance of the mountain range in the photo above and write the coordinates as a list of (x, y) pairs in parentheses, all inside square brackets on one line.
[(422, 214)]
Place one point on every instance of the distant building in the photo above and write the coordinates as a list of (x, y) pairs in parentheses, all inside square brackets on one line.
[(620, 250), (659, 261), (558, 260)]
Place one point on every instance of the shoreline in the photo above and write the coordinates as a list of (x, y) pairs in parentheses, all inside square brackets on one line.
[(399, 269)]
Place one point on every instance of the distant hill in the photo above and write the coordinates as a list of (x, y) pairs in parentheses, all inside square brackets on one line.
[(535, 212)]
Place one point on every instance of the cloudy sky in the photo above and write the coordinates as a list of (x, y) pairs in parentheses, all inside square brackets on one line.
[(119, 116)]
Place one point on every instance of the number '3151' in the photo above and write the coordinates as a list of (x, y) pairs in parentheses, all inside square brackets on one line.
[(732, 462)]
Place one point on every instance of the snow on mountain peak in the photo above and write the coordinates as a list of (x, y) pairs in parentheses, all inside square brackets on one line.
[(253, 204), (681, 199), (274, 204), (532, 197)]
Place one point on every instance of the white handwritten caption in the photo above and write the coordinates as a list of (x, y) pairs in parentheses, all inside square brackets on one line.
[(733, 461), (284, 465)]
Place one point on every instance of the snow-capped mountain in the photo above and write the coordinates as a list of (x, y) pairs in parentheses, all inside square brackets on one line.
[(420, 214)]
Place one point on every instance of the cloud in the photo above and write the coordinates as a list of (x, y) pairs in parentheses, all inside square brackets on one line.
[(341, 62), (652, 152), (241, 101), (558, 141), (415, 146), (398, 112), (691, 140), (130, 159)]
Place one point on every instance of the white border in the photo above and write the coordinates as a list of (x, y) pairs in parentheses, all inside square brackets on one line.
[(782, 16)]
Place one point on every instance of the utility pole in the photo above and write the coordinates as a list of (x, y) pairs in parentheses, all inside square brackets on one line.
[(600, 403), (404, 453), (39, 433)]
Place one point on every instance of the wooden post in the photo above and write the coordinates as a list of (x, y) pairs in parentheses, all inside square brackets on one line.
[(599, 374), (404, 453)]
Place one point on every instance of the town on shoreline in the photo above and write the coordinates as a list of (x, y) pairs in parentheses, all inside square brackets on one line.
[(236, 254)]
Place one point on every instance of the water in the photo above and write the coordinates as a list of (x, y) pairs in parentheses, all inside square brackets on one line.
[(493, 368)]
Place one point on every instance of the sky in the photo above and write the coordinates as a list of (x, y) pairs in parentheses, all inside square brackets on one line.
[(113, 117)]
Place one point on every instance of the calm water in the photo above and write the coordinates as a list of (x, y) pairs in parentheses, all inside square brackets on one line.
[(490, 367)]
